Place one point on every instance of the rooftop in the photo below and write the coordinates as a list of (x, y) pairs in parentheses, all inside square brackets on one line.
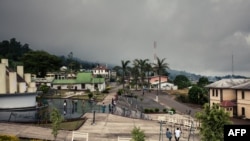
[(229, 83)]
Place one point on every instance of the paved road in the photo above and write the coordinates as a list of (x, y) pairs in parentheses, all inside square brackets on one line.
[(168, 101)]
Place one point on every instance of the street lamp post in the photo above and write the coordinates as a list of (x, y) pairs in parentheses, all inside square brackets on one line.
[(161, 132)]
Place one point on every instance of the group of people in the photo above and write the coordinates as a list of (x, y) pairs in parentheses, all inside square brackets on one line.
[(177, 134), (74, 106)]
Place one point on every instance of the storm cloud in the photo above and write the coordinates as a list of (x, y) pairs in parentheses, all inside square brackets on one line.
[(193, 35)]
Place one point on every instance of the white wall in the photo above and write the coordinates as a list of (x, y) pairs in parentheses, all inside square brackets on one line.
[(3, 84), (17, 101)]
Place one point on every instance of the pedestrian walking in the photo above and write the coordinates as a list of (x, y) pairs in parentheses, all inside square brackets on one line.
[(109, 108), (65, 105), (103, 107), (177, 134), (112, 101), (168, 134)]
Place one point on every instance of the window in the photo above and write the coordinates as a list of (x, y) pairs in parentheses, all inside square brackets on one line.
[(216, 92), (96, 86), (243, 111), (213, 92), (242, 94)]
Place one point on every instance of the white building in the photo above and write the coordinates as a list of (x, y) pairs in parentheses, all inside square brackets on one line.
[(17, 91)]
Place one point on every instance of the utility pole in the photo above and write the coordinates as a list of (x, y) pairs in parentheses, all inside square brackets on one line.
[(191, 131), (161, 132)]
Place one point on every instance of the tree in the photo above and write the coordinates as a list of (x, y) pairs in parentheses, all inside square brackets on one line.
[(135, 73), (194, 94), (40, 62), (44, 88), (203, 81), (141, 65), (148, 69), (138, 134), (13, 50), (212, 121), (182, 81), (198, 95), (124, 69), (160, 67), (56, 120)]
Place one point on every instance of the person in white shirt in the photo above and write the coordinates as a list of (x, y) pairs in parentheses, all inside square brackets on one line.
[(177, 134)]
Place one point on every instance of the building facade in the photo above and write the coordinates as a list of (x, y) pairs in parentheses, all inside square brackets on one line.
[(101, 70), (233, 95), (83, 81), (17, 94)]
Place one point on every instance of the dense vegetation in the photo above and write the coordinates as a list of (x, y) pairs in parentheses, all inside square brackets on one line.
[(38, 62), (212, 120)]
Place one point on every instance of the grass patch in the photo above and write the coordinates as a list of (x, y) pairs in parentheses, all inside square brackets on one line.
[(67, 125), (97, 97), (178, 92)]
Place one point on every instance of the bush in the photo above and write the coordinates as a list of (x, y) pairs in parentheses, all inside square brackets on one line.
[(90, 95), (172, 109), (164, 110), (8, 138), (120, 91), (146, 110), (88, 91), (157, 110), (138, 134), (141, 99), (108, 88), (105, 91), (151, 110), (182, 98)]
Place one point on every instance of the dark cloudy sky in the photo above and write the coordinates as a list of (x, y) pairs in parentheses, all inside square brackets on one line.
[(197, 36)]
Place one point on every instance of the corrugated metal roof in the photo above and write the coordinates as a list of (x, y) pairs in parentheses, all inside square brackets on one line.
[(227, 103), (81, 77), (228, 83), (245, 86), (64, 81)]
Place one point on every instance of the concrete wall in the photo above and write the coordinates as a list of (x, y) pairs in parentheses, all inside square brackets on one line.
[(20, 71), (212, 96), (3, 85), (22, 87), (79, 87), (229, 110), (229, 94), (27, 78), (17, 101), (243, 102), (12, 82), (5, 61), (247, 110)]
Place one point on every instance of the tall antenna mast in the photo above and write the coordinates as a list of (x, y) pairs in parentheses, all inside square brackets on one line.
[(232, 65), (155, 57)]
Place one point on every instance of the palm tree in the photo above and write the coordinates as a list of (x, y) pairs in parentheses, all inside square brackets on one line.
[(148, 69), (135, 73), (124, 69), (160, 67), (142, 65), (117, 69)]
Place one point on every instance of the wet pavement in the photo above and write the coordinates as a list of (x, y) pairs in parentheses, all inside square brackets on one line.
[(107, 127)]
